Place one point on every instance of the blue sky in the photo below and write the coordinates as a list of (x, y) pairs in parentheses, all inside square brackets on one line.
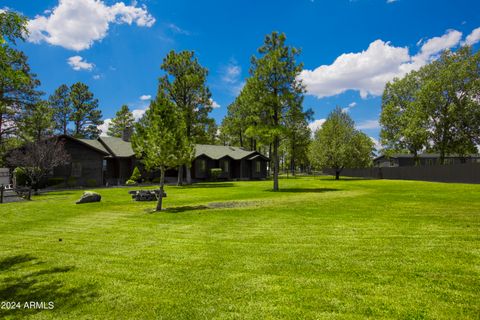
[(350, 48)]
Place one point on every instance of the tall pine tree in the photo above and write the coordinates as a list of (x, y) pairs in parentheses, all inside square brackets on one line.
[(122, 121), (85, 115)]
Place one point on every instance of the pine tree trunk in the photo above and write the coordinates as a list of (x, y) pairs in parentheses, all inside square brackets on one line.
[(276, 164), (160, 196), (180, 176), (189, 174), (337, 174)]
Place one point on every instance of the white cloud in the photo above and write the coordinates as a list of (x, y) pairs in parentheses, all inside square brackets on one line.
[(315, 125), (145, 97), (391, 1), (104, 127), (231, 73), (178, 30), (368, 124), (77, 63), (368, 71), (349, 107), (137, 114), (376, 143), (77, 24), (473, 37), (96, 77), (214, 103)]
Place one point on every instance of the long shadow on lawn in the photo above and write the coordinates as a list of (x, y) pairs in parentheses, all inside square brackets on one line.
[(185, 208), (19, 283), (209, 185), (305, 190)]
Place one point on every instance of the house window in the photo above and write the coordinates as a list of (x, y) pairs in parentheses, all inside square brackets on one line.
[(225, 166), (258, 166), (76, 169), (202, 166)]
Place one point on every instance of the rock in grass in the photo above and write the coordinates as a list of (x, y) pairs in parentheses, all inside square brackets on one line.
[(89, 196)]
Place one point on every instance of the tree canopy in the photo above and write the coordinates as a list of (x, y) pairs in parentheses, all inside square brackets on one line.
[(160, 138), (338, 145)]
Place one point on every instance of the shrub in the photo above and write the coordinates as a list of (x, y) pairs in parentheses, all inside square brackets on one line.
[(55, 181), (215, 173), (71, 182), (130, 182), (91, 183), (156, 180), (21, 178), (136, 175)]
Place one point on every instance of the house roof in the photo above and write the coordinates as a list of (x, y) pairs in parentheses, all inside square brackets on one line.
[(117, 147), (94, 144), (217, 152)]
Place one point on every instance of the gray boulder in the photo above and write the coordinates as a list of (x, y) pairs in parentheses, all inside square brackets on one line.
[(89, 196)]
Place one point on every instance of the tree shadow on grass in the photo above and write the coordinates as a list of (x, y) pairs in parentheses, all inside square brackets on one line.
[(23, 281), (185, 208), (305, 190), (209, 185)]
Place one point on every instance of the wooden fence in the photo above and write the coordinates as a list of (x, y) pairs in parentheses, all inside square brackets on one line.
[(462, 173)]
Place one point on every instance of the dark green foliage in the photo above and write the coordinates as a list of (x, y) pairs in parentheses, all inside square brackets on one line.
[(52, 182), (273, 94), (185, 86), (436, 108), (160, 138), (339, 145), (91, 183), (18, 85), (215, 173), (20, 176), (122, 121), (85, 113), (60, 102), (71, 182), (37, 122)]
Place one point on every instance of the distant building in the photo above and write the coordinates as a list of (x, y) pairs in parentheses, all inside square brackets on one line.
[(425, 159), (111, 160)]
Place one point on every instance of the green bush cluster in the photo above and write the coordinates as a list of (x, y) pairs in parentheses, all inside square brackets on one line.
[(91, 183), (21, 178), (131, 182), (55, 181), (136, 175), (215, 173)]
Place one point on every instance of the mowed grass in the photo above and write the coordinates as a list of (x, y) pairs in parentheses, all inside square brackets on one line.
[(319, 249)]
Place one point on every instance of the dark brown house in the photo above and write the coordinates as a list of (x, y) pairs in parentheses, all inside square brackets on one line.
[(111, 160), (236, 163)]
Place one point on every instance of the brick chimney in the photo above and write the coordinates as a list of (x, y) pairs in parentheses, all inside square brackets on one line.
[(127, 134)]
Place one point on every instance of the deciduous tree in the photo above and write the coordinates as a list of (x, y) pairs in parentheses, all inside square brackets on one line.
[(160, 138), (39, 158), (338, 145)]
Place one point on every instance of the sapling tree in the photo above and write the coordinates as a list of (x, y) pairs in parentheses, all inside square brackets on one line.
[(160, 139)]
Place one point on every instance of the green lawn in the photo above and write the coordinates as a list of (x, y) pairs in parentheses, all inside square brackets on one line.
[(348, 249)]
